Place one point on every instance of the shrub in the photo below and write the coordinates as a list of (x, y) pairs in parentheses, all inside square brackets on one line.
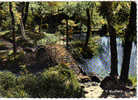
[(7, 80), (93, 45), (55, 82), (133, 79), (48, 39), (58, 82), (9, 87), (29, 83), (93, 48), (15, 93)]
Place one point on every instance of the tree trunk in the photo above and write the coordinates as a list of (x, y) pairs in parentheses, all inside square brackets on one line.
[(88, 28), (67, 35), (22, 30), (26, 13), (131, 30), (22, 20), (22, 9), (13, 28), (113, 46)]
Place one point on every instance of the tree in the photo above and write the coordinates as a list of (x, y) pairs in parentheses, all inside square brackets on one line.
[(20, 7), (67, 34), (13, 28), (106, 11), (88, 27), (26, 13), (130, 33)]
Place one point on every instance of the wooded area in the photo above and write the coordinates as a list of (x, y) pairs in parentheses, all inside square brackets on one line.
[(47, 49)]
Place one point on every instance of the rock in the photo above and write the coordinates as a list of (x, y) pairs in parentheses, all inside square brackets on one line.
[(109, 83), (94, 77), (84, 78), (82, 87)]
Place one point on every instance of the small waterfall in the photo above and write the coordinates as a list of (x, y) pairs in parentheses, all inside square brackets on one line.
[(101, 63)]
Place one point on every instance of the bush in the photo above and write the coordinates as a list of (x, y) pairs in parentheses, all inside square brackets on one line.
[(9, 86), (14, 93), (55, 82), (48, 39), (133, 79), (7, 80), (93, 45), (29, 83), (58, 82), (93, 48)]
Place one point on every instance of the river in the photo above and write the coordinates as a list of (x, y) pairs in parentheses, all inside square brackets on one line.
[(101, 63)]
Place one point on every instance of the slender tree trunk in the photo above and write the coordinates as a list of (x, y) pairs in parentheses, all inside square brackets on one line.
[(22, 25), (22, 30), (131, 30), (67, 35), (22, 9), (26, 13), (13, 28), (88, 28)]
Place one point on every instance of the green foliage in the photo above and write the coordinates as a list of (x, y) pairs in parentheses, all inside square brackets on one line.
[(93, 48), (7, 80), (58, 82), (133, 80), (55, 82), (93, 45), (119, 14), (48, 39), (9, 87)]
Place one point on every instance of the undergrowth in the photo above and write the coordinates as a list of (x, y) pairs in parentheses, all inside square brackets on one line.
[(55, 82)]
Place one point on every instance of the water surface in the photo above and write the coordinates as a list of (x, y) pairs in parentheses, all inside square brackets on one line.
[(101, 63)]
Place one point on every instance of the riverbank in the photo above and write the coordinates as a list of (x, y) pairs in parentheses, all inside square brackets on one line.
[(93, 90)]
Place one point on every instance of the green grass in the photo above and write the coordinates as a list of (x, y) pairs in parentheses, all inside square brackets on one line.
[(55, 82)]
